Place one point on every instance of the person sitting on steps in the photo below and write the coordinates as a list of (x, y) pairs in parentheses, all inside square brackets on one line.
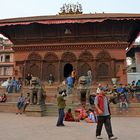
[(69, 116), (20, 104), (3, 97)]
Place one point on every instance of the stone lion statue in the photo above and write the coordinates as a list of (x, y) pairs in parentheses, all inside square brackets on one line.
[(38, 94)]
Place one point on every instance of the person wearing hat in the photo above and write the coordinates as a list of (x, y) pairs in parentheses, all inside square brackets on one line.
[(98, 89), (103, 115), (61, 103)]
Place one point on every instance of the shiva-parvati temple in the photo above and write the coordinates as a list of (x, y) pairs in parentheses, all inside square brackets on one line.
[(58, 44)]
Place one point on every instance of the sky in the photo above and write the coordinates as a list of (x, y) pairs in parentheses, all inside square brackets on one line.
[(26, 8)]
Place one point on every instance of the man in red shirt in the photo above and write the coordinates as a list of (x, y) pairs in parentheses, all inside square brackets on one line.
[(103, 115)]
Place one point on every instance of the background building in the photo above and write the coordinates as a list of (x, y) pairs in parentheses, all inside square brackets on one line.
[(6, 59), (133, 70)]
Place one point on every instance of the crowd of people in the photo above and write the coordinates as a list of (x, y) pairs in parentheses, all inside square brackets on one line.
[(122, 94), (99, 111), (100, 116), (100, 101), (12, 85), (34, 96)]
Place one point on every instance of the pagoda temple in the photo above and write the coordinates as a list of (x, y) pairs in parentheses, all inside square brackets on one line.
[(58, 44)]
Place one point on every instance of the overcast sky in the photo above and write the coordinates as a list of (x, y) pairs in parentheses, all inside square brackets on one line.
[(25, 8)]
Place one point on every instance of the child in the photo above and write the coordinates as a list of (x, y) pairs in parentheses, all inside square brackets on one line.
[(91, 117), (69, 116), (81, 113), (123, 102)]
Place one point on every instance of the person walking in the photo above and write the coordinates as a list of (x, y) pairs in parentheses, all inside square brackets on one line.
[(103, 115)]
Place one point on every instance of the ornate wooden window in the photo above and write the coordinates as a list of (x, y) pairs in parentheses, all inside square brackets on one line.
[(103, 56), (51, 57), (50, 69), (34, 56), (103, 70), (103, 64), (33, 64), (84, 69), (86, 56), (68, 57), (34, 70)]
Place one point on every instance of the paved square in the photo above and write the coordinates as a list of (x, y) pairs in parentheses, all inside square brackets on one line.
[(20, 127)]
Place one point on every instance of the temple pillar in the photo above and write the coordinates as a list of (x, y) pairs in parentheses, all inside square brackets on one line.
[(41, 73), (59, 73), (93, 71), (113, 75), (78, 67), (95, 75), (24, 70)]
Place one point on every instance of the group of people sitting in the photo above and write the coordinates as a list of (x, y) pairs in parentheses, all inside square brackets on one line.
[(81, 114), (124, 93), (120, 94), (12, 84)]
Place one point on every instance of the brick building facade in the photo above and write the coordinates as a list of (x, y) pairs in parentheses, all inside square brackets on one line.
[(58, 44)]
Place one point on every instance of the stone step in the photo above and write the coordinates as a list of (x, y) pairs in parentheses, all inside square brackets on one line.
[(72, 102), (51, 92), (36, 110), (51, 109), (9, 107), (12, 97)]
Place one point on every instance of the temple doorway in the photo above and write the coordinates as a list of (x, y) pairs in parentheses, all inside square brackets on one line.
[(67, 69)]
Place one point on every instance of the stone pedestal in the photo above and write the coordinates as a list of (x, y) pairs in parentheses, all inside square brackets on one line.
[(36, 110)]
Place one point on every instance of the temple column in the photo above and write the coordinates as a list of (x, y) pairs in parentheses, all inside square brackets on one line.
[(95, 70), (77, 77), (41, 73), (78, 67), (59, 71), (24, 69), (113, 75)]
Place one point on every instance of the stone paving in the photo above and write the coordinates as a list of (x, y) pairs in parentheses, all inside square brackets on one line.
[(20, 127)]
